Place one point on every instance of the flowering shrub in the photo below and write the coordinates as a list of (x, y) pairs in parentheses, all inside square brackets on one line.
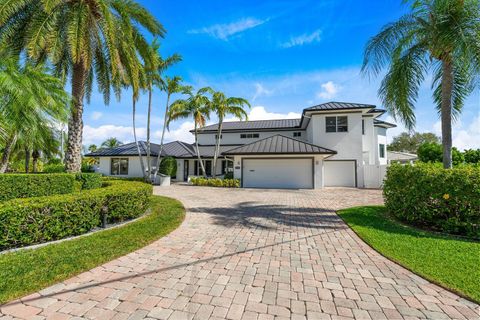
[(427, 195), (214, 182)]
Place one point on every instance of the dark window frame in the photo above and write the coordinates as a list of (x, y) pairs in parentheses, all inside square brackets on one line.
[(336, 124), (249, 135), (118, 171), (297, 134), (197, 169), (363, 126)]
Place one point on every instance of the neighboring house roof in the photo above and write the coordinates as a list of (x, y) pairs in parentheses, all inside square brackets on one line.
[(253, 125), (401, 156), (384, 124), (279, 144), (333, 105)]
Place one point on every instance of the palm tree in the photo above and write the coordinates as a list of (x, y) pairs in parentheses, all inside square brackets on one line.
[(92, 148), (111, 143), (439, 36), (32, 102), (87, 41), (170, 86), (154, 67), (224, 106), (196, 106)]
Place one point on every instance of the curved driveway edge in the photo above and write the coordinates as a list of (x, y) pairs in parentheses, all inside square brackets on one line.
[(251, 254)]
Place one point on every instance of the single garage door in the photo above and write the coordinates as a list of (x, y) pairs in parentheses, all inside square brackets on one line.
[(339, 173), (278, 173)]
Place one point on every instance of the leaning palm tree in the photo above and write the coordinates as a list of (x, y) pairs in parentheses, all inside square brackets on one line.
[(439, 36), (224, 106), (87, 41), (170, 86), (154, 67), (196, 106), (111, 143), (31, 102)]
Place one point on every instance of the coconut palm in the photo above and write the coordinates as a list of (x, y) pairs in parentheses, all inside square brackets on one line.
[(439, 37), (32, 102), (111, 143), (223, 106), (154, 67), (88, 41), (92, 148), (196, 106), (170, 86)]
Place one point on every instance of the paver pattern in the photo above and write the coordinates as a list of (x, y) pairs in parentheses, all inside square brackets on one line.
[(251, 254)]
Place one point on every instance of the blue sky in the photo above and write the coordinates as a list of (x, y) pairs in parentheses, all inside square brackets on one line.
[(282, 56)]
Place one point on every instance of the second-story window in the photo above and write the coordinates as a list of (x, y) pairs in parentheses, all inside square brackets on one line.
[(216, 136), (363, 126), (336, 124), (382, 150), (249, 135), (297, 134)]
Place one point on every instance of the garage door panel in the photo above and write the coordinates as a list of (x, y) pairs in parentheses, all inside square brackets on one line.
[(339, 173), (278, 173)]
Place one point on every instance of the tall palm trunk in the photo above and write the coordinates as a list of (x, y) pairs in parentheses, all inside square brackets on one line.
[(7, 151), (198, 151), (140, 157), (159, 156), (217, 145), (35, 157), (149, 112), (73, 156), (27, 160), (446, 112)]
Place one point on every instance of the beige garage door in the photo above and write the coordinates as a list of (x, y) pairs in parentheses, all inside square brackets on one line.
[(278, 173), (339, 173)]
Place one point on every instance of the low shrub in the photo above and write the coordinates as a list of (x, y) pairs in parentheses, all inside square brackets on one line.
[(36, 220), (215, 182), (427, 195), (35, 185), (89, 180), (168, 166), (54, 168)]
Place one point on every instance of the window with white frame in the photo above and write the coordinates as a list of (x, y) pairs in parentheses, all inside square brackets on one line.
[(336, 124), (382, 150)]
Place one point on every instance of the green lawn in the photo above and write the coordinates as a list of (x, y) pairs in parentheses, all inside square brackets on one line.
[(449, 261), (27, 271)]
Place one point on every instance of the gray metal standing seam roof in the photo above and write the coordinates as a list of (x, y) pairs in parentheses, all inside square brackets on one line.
[(255, 125), (339, 106), (279, 144), (176, 149)]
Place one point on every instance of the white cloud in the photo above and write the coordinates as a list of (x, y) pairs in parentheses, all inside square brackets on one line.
[(303, 39), (181, 133), (96, 115), (260, 90), (463, 137), (260, 113), (224, 31), (329, 90)]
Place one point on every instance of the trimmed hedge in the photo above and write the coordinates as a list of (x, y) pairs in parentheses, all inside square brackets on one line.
[(427, 195), (30, 221), (35, 185), (89, 180), (168, 166), (215, 182)]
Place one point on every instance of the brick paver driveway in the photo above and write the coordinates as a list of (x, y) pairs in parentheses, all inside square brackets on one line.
[(251, 254)]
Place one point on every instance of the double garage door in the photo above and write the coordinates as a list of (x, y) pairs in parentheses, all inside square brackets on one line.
[(296, 173), (278, 173)]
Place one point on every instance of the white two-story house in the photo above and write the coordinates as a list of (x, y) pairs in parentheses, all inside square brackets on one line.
[(331, 144)]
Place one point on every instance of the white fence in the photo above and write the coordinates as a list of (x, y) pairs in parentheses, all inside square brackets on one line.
[(374, 175)]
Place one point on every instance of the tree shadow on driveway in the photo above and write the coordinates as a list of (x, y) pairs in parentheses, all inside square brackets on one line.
[(270, 217)]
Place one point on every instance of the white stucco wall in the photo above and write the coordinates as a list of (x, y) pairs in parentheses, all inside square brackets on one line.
[(134, 168), (234, 137)]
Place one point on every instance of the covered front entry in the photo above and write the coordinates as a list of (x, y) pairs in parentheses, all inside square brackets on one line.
[(278, 173)]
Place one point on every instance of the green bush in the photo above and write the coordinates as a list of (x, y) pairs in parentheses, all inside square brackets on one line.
[(53, 168), (36, 220), (35, 185), (433, 152), (215, 182), (89, 180), (427, 195), (168, 166)]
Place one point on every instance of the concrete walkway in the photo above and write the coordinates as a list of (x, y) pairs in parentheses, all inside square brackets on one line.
[(251, 254)]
